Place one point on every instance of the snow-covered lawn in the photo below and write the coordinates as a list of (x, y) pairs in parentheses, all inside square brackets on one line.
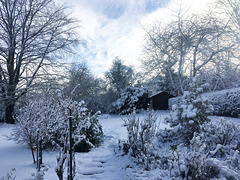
[(100, 163)]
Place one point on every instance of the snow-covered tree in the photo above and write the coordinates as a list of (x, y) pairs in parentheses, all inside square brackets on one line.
[(130, 98), (43, 121), (187, 117)]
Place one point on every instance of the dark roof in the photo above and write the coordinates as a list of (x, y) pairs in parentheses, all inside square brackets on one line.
[(158, 93)]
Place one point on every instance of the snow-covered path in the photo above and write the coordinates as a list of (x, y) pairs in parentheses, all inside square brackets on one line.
[(101, 163)]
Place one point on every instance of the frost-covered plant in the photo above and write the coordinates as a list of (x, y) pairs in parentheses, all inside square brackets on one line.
[(222, 138), (140, 136), (195, 161), (43, 121), (193, 111), (191, 162), (93, 134), (225, 102), (130, 98), (223, 132)]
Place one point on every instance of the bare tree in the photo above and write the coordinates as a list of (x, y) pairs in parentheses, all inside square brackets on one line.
[(31, 34), (183, 47), (86, 86), (230, 9)]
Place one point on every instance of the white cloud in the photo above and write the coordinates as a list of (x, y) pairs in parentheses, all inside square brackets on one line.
[(112, 27)]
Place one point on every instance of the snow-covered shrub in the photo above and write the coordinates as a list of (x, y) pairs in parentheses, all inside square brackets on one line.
[(225, 102), (188, 162), (195, 162), (223, 132), (187, 117), (131, 97), (41, 119), (174, 100), (140, 137), (45, 119), (222, 161), (215, 151), (93, 134)]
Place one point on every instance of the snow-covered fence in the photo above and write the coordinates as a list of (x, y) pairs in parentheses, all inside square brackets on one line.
[(225, 102)]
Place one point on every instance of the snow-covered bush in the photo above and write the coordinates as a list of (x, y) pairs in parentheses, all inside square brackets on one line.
[(196, 161), (130, 98), (93, 134), (41, 120), (141, 134), (221, 143), (188, 162), (223, 132), (225, 102), (45, 119), (174, 100), (39, 175), (186, 118)]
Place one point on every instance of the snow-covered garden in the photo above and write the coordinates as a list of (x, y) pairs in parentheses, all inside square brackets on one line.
[(104, 162), (186, 143), (66, 113)]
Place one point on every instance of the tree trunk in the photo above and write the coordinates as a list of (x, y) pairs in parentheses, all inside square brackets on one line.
[(32, 149), (9, 113), (60, 175), (39, 154)]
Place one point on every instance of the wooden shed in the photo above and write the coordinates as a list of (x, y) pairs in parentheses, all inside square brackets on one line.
[(159, 101)]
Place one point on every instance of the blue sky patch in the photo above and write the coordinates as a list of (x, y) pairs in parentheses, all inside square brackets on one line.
[(153, 5), (113, 10)]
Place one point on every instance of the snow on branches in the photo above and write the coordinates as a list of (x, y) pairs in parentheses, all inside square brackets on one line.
[(43, 122), (186, 118)]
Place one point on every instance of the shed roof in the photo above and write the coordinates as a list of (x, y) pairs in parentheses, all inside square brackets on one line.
[(159, 92)]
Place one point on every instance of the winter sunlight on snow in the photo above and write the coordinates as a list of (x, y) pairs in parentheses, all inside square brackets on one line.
[(119, 89)]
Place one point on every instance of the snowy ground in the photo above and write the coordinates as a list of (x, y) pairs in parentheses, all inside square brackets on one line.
[(100, 163)]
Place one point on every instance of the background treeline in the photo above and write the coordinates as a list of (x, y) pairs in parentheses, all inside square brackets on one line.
[(203, 45)]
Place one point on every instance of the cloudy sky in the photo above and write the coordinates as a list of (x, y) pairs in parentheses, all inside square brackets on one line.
[(115, 27)]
